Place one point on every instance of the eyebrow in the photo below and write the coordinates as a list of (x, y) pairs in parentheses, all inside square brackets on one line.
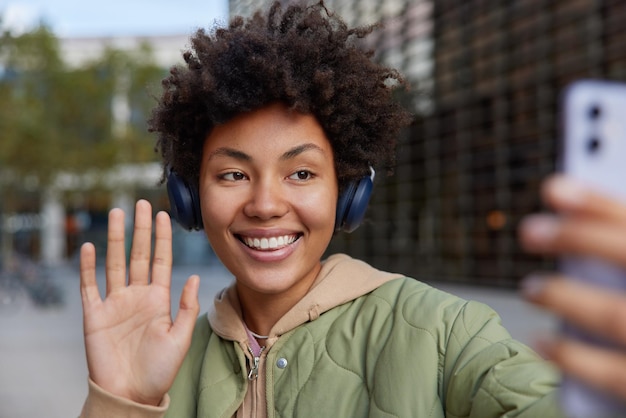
[(230, 152), (242, 156), (297, 150)]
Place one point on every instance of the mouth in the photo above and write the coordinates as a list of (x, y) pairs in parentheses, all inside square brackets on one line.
[(269, 243)]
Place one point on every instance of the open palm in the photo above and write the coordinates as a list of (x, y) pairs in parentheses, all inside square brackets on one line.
[(134, 349)]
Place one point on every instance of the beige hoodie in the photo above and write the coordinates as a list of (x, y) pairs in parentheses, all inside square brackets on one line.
[(340, 280)]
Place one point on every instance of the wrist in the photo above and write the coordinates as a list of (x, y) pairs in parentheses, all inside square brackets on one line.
[(123, 392), (101, 402)]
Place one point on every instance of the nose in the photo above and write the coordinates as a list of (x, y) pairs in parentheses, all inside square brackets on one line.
[(268, 199)]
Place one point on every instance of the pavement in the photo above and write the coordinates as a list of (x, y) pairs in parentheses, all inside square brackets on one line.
[(42, 362)]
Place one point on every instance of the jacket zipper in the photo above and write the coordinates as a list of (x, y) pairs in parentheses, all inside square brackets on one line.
[(254, 364)]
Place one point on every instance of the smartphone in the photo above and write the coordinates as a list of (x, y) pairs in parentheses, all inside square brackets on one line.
[(593, 150)]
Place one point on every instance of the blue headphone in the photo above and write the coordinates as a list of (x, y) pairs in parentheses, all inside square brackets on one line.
[(351, 205)]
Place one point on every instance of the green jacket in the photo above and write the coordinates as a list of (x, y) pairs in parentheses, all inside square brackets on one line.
[(399, 348)]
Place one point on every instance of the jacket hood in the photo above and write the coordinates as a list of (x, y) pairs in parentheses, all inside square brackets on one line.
[(341, 279)]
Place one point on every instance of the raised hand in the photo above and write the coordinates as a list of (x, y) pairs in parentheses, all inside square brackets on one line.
[(134, 349), (590, 224)]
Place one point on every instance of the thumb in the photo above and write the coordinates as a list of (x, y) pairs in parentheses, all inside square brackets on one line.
[(187, 311)]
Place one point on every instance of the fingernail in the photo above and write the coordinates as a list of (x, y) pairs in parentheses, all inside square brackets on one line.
[(532, 286), (540, 229), (567, 191), (196, 283)]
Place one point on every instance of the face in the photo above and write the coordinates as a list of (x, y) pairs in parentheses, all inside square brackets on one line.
[(268, 192)]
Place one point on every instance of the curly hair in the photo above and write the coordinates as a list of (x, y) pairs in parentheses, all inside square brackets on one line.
[(305, 57)]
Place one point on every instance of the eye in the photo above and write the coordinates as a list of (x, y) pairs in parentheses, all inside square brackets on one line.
[(233, 176), (301, 175)]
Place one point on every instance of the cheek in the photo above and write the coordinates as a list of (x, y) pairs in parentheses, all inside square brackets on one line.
[(318, 209), (216, 213)]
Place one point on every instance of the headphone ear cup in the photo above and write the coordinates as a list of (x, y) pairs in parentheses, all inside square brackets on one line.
[(184, 202), (342, 205), (352, 204)]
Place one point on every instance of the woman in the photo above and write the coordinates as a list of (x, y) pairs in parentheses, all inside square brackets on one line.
[(268, 131)]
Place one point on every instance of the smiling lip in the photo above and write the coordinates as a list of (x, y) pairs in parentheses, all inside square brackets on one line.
[(269, 243), (269, 248)]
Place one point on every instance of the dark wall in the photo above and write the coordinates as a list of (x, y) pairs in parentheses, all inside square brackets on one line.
[(470, 168)]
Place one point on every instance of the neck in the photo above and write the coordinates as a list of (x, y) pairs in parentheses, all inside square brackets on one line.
[(260, 314), (262, 311)]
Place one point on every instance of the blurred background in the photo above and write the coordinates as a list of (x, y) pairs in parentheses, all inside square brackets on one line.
[(77, 81), (485, 82), (487, 78)]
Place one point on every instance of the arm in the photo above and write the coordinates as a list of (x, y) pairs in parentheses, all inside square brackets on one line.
[(133, 347), (488, 374)]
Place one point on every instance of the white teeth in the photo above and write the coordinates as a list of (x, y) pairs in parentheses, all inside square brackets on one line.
[(271, 243)]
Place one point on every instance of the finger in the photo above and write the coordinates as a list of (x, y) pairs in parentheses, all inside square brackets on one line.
[(549, 234), (595, 310), (187, 311), (162, 264), (600, 367), (116, 251), (139, 269), (88, 284), (575, 197)]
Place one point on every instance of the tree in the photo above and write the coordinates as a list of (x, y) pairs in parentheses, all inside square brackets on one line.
[(54, 117), (57, 119)]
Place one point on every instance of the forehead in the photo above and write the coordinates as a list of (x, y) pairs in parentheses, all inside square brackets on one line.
[(268, 130)]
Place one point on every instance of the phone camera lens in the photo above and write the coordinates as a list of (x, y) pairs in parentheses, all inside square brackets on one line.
[(594, 111), (593, 145)]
